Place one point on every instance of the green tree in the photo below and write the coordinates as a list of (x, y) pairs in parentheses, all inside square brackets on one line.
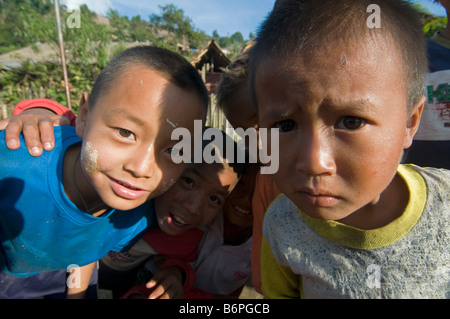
[(178, 26), (431, 27)]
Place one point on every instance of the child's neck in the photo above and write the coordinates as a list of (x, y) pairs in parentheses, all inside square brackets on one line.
[(77, 187), (390, 206)]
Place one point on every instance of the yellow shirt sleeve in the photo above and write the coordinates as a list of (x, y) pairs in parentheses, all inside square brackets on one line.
[(278, 282)]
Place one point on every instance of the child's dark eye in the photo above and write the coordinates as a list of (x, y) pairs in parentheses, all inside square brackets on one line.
[(215, 199), (286, 125), (125, 133), (188, 181), (351, 123)]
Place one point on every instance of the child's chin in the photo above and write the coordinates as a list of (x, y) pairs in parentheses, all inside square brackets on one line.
[(123, 204)]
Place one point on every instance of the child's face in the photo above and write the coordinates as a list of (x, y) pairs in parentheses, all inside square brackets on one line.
[(238, 206), (195, 198), (343, 119), (126, 151)]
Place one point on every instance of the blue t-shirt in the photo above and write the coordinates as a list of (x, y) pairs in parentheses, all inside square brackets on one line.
[(40, 228)]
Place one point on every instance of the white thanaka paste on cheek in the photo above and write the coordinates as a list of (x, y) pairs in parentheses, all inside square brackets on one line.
[(89, 157), (167, 184)]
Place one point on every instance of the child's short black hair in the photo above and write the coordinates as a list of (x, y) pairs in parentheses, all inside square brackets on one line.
[(233, 76), (311, 26), (170, 64)]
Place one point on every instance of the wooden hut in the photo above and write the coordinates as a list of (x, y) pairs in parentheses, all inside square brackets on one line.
[(209, 63)]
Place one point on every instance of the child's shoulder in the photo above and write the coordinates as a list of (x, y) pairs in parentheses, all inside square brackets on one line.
[(65, 132), (436, 180), (64, 138), (439, 176)]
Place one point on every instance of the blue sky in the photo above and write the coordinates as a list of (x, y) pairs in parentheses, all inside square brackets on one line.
[(225, 16)]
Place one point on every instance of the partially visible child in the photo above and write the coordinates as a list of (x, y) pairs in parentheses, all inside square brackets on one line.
[(223, 265), (65, 207), (234, 98), (182, 213), (347, 98)]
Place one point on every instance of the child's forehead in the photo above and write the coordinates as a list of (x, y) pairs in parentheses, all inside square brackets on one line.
[(204, 170), (139, 72), (336, 59), (216, 175), (352, 77)]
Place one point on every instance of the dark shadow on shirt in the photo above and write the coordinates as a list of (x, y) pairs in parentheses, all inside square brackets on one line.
[(11, 220)]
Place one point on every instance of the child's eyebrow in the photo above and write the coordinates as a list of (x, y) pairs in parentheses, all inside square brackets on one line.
[(125, 115), (359, 104), (280, 112), (223, 191)]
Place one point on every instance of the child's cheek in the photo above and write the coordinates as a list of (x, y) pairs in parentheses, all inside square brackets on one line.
[(89, 157), (166, 184)]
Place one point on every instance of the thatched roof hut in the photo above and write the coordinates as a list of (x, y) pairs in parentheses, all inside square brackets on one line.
[(209, 63)]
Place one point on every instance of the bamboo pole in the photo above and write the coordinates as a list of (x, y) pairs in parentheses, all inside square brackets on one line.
[(62, 53)]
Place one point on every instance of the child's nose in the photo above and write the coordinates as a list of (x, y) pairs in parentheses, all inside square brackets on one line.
[(193, 204), (142, 163), (316, 155)]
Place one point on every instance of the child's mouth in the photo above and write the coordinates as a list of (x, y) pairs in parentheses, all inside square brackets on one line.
[(318, 198), (178, 221), (242, 211), (125, 190)]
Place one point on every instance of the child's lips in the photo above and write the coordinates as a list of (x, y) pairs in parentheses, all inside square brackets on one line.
[(242, 211), (125, 190), (177, 222), (318, 198)]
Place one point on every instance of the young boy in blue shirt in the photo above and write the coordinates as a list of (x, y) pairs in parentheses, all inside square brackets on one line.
[(343, 81), (65, 207)]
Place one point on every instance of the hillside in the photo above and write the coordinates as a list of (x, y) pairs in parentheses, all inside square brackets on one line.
[(27, 22)]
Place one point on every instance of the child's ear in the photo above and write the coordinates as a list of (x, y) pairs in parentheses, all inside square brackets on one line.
[(82, 117), (413, 122)]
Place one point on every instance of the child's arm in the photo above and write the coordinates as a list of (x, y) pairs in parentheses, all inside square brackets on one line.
[(278, 282), (265, 192), (36, 119), (77, 289)]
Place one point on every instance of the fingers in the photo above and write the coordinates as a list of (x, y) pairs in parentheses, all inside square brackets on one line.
[(31, 135), (4, 123), (159, 292), (61, 121), (47, 134), (165, 288), (37, 126), (38, 135), (12, 131)]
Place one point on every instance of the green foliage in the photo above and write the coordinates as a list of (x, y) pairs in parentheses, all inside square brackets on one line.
[(39, 80), (88, 43), (430, 28), (89, 47)]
